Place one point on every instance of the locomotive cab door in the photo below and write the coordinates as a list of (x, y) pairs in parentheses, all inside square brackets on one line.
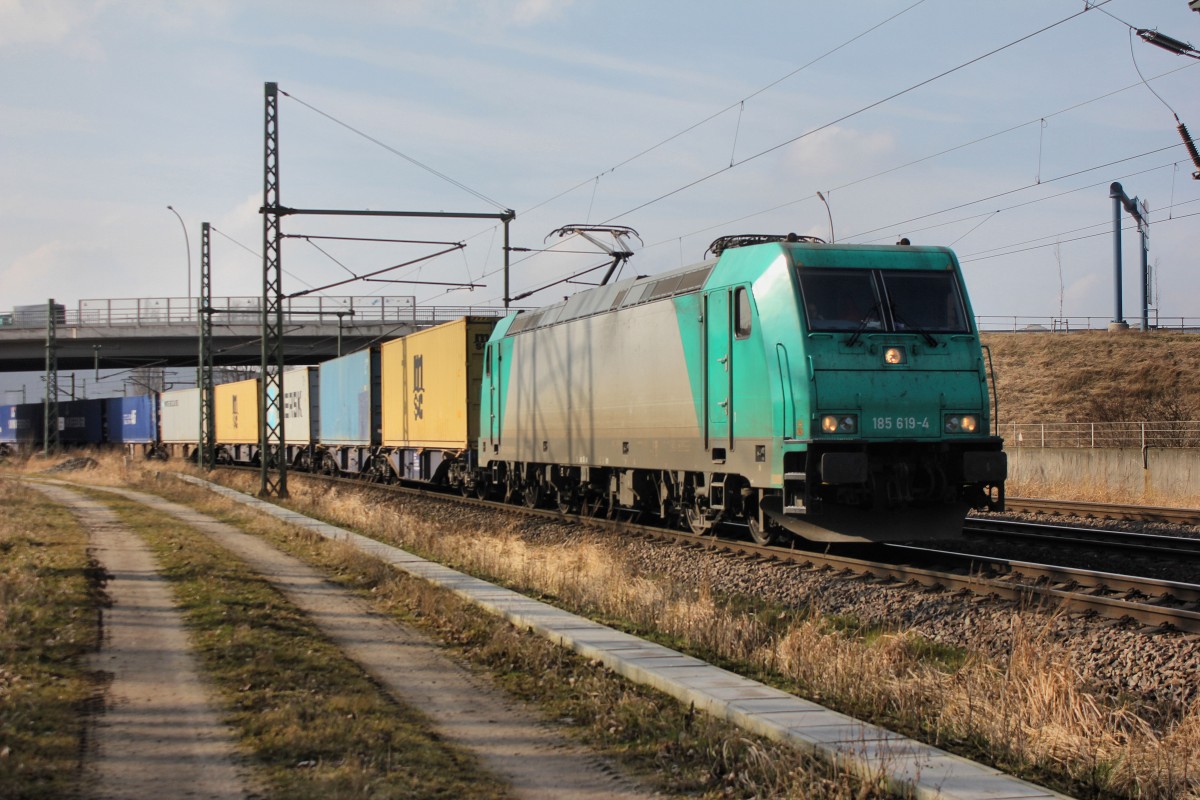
[(718, 374), (491, 381)]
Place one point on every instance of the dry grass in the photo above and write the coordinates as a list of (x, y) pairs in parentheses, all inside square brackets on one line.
[(1033, 715), (1096, 376), (1088, 490), (50, 599)]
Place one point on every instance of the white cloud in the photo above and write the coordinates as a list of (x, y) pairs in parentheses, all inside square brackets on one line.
[(49, 22), (835, 150)]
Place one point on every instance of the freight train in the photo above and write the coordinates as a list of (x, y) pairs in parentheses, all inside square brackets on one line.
[(785, 386), (126, 421)]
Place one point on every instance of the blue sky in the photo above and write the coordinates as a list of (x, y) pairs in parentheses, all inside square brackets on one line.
[(114, 109)]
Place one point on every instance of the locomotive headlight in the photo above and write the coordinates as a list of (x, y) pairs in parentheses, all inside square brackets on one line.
[(961, 423), (839, 423), (894, 355)]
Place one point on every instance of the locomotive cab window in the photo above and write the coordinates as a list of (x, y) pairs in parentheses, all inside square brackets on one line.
[(925, 301), (840, 300), (741, 313), (915, 301)]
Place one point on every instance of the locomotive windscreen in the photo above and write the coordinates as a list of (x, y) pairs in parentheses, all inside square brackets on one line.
[(841, 299), (928, 301)]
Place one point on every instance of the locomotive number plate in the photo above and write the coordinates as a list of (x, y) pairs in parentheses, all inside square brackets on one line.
[(900, 423)]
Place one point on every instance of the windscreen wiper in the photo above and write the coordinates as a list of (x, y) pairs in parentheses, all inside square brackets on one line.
[(862, 325), (914, 328)]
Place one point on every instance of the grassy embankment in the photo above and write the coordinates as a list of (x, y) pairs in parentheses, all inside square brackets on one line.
[(1096, 376), (50, 599)]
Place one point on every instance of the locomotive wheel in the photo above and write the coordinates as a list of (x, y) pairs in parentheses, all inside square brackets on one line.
[(531, 494), (762, 535), (565, 500), (694, 518), (592, 505)]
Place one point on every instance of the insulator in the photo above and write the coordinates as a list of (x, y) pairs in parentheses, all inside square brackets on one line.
[(1191, 148)]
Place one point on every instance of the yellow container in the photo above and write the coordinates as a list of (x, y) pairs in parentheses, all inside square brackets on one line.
[(431, 385), (237, 412)]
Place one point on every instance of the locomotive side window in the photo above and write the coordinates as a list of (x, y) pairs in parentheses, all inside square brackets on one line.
[(925, 301), (741, 313), (840, 300)]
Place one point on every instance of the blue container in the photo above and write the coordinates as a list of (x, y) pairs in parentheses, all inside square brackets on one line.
[(81, 422), (350, 399), (22, 424), (131, 420)]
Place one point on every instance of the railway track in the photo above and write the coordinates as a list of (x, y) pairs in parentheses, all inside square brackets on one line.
[(1174, 547), (1155, 603), (1079, 508)]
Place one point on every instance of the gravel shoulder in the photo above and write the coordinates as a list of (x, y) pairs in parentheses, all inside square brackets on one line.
[(511, 741)]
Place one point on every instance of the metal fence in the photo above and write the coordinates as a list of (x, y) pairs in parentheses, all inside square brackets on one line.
[(1102, 434), (1018, 324), (347, 311)]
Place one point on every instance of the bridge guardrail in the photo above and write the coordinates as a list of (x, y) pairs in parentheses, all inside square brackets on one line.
[(347, 311)]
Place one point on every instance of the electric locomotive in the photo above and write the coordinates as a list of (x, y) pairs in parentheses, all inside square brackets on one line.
[(833, 392)]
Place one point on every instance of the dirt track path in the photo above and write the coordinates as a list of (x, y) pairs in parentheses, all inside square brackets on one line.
[(536, 761), (159, 735)]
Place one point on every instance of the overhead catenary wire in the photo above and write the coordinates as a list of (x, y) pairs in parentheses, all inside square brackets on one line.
[(855, 113), (1107, 224), (972, 258), (922, 159), (726, 109), (394, 151), (908, 231), (1007, 192)]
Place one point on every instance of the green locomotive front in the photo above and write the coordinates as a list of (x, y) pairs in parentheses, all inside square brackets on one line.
[(892, 441), (834, 392)]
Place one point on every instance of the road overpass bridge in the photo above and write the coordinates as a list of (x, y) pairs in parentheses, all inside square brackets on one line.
[(164, 332)]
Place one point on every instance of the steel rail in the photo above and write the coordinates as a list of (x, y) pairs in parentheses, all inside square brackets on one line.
[(1080, 508), (1145, 543), (1066, 588)]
